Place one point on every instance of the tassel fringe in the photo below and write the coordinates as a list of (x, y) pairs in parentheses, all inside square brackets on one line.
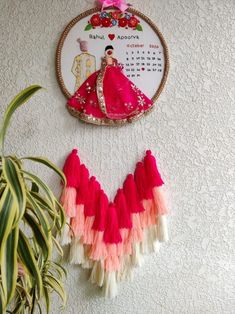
[(111, 239)]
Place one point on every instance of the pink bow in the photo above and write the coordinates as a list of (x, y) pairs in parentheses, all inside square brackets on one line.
[(120, 4)]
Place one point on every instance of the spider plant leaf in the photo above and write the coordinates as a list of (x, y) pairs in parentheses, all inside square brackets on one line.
[(9, 265), (57, 286), (58, 247), (49, 164), (41, 184), (38, 212), (34, 187), (46, 294), (7, 215), (2, 300), (19, 100), (41, 238), (15, 182), (29, 262)]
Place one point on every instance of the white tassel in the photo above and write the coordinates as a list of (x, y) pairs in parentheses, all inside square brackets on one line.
[(110, 285), (147, 245), (162, 228), (157, 246), (97, 273), (76, 255), (65, 238), (125, 272), (136, 254)]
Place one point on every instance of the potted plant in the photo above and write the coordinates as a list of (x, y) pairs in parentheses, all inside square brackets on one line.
[(30, 218)]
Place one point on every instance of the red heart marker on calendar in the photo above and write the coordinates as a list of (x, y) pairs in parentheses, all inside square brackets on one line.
[(143, 69), (111, 36)]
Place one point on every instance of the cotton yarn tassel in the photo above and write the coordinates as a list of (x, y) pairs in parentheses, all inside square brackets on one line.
[(155, 184), (65, 237), (90, 210), (76, 254), (110, 289), (135, 207), (98, 249), (112, 238), (145, 194), (125, 247), (68, 198), (124, 222), (148, 219), (97, 274)]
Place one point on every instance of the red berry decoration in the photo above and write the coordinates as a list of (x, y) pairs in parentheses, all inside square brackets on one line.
[(122, 22), (106, 22), (95, 20), (133, 22)]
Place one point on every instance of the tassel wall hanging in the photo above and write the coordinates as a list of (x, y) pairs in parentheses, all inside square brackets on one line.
[(110, 238)]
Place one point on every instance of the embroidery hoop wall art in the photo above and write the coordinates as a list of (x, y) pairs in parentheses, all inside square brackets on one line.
[(135, 44)]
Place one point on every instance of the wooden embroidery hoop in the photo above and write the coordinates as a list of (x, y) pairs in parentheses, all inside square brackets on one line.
[(67, 93)]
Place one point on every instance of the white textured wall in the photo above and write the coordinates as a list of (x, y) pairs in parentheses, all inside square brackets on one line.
[(190, 132)]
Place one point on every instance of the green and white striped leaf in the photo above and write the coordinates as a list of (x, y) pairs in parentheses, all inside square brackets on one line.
[(41, 238), (7, 215), (57, 287), (9, 265), (19, 100), (38, 212), (49, 164), (28, 260), (15, 182), (40, 184)]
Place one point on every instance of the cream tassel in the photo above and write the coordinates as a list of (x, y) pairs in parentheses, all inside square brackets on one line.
[(65, 237), (136, 254), (88, 263), (97, 273), (126, 269), (76, 255), (162, 228), (110, 285)]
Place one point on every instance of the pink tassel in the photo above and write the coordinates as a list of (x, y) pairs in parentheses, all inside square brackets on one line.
[(82, 193), (77, 222), (159, 200), (125, 247), (71, 169), (152, 173), (101, 212), (124, 222), (141, 182), (68, 201), (131, 194), (89, 233), (123, 213), (146, 216), (92, 197), (98, 249), (89, 210), (112, 262), (111, 233), (136, 231)]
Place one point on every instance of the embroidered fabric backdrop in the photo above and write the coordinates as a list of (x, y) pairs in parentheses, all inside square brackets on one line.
[(190, 132)]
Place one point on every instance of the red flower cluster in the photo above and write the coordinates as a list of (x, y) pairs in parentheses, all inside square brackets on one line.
[(109, 19)]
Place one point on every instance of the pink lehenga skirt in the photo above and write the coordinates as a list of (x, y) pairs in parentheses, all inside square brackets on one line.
[(109, 96)]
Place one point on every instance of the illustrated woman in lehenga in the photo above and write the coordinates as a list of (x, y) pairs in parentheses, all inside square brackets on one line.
[(108, 96)]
